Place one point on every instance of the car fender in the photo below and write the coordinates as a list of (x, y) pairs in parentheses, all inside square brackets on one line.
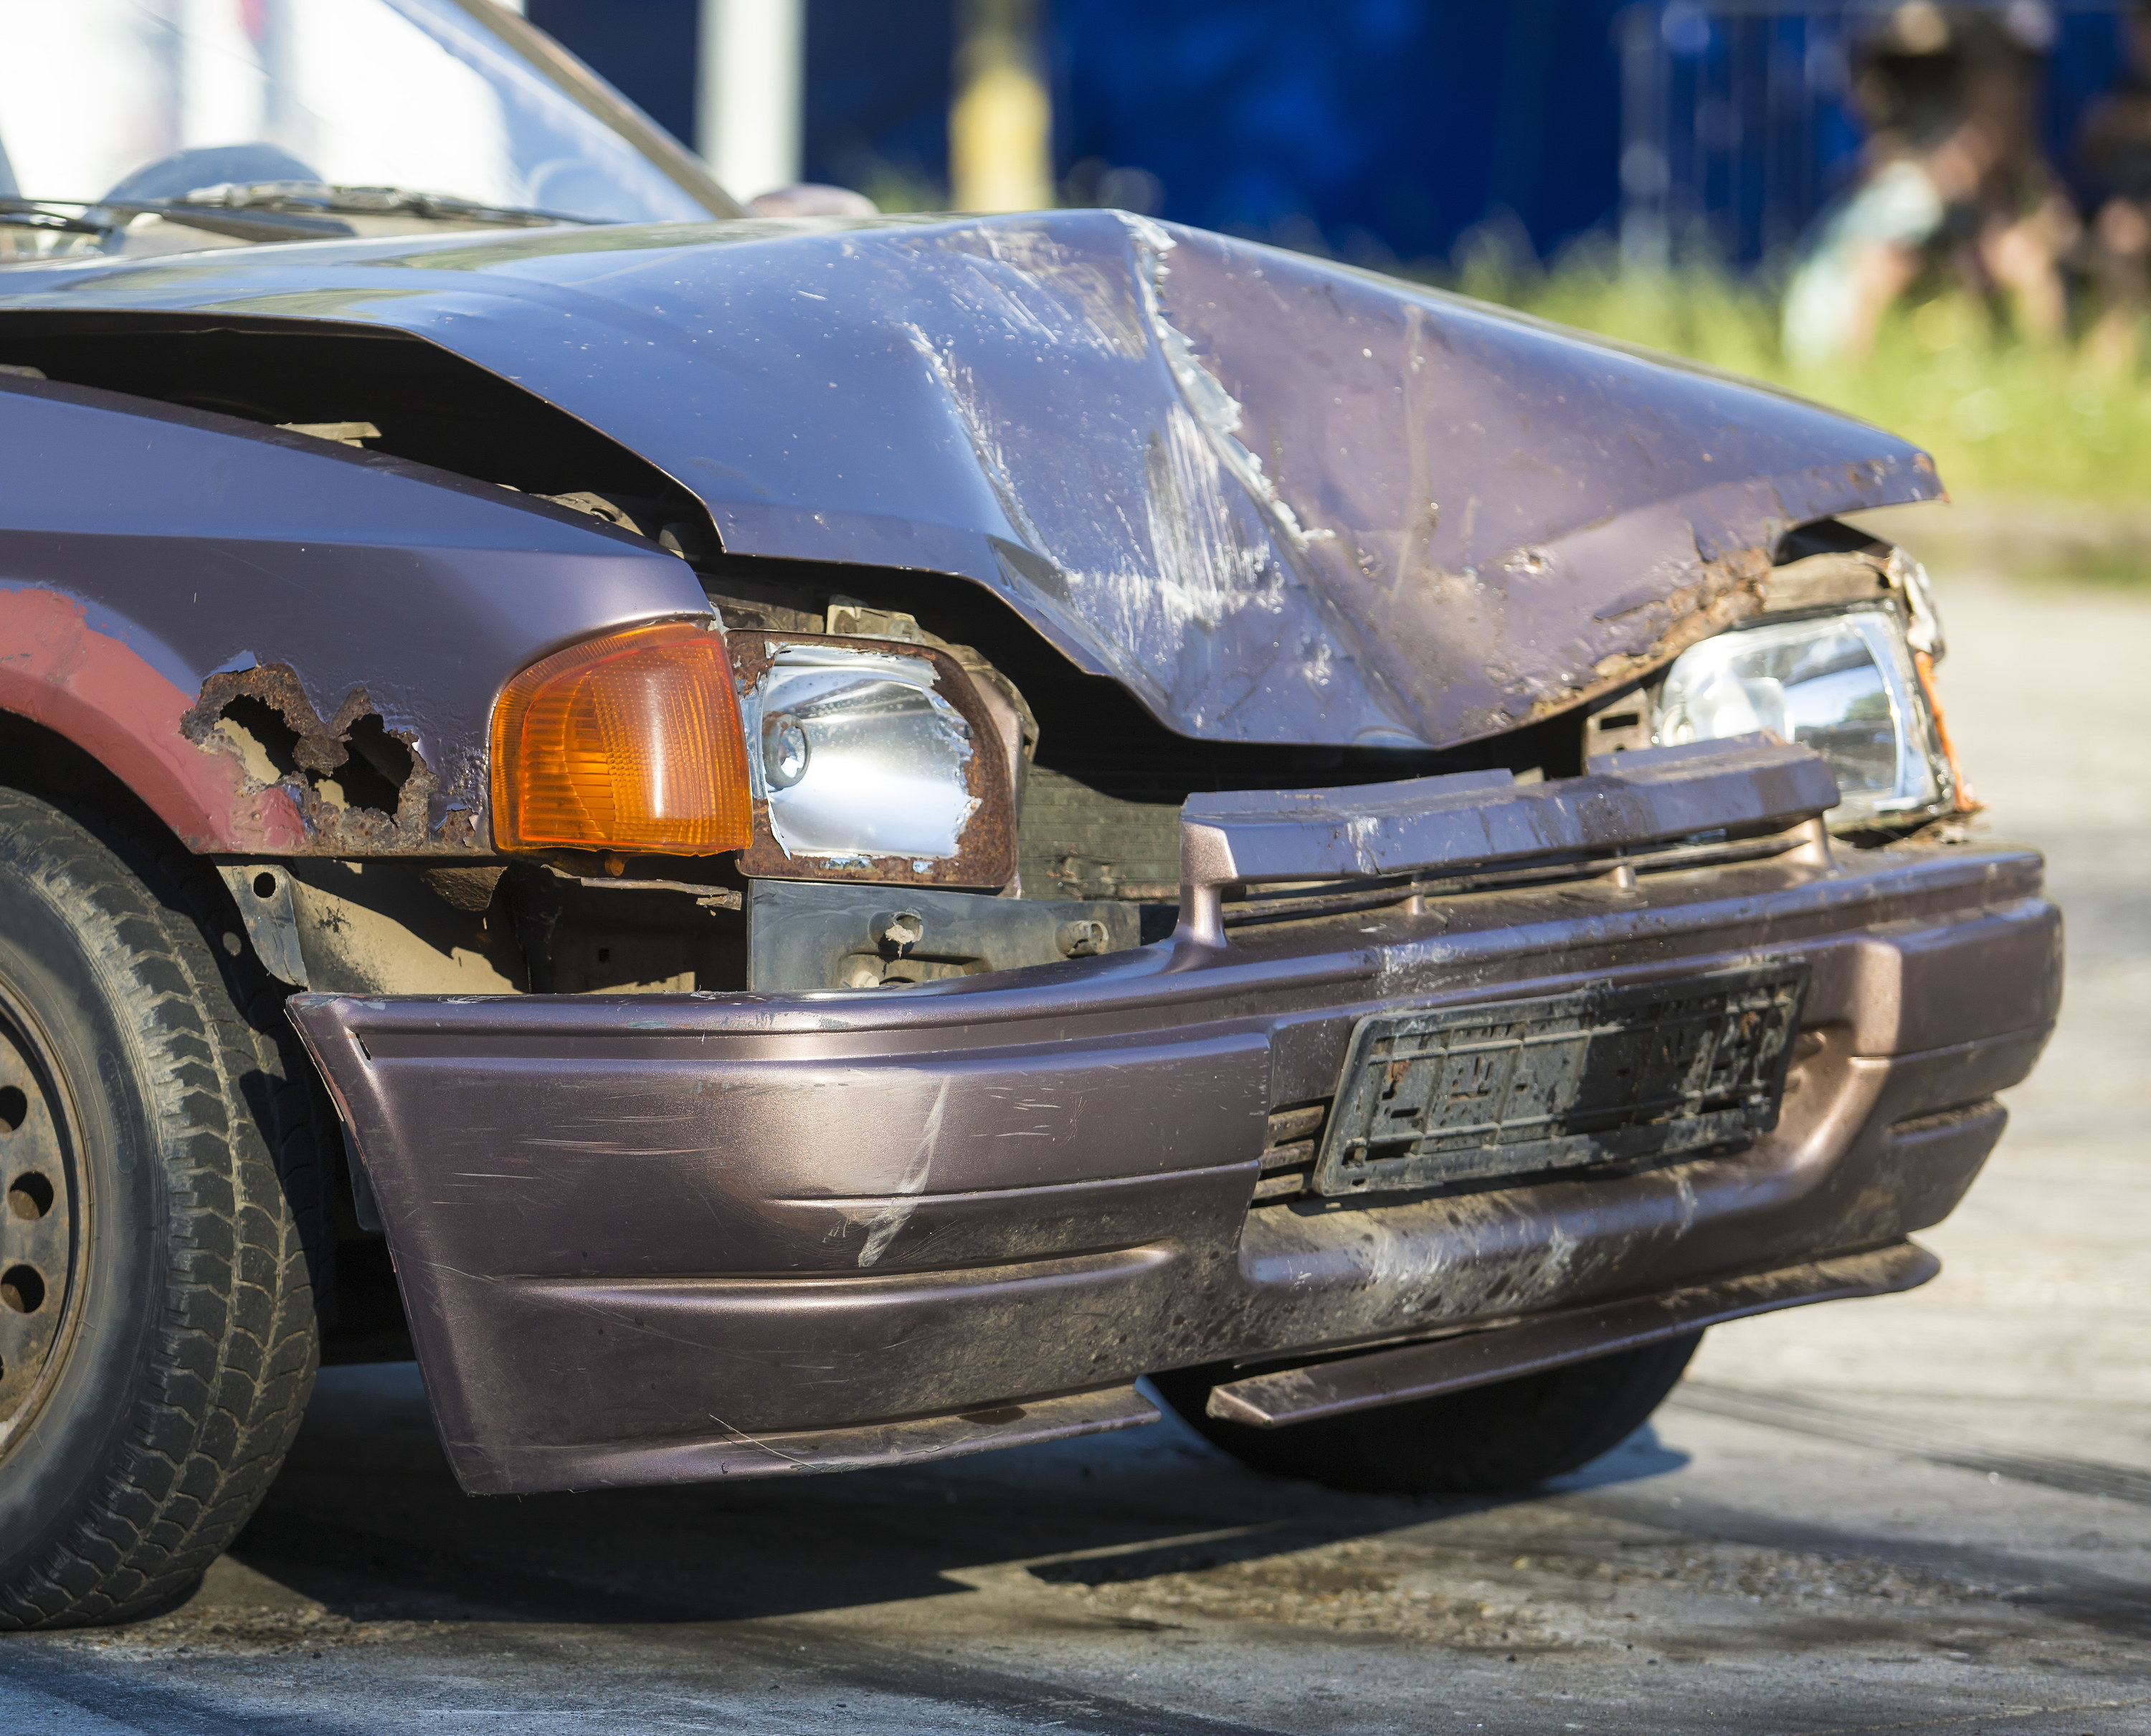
[(159, 565)]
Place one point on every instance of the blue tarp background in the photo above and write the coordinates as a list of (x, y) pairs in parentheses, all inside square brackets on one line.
[(1380, 128)]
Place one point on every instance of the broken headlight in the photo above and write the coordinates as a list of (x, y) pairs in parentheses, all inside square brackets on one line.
[(1844, 684), (860, 755)]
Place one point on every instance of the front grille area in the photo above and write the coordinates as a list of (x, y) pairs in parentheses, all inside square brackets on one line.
[(1100, 815), (1077, 842), (1249, 905)]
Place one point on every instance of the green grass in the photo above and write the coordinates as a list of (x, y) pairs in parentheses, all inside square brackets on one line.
[(2004, 419)]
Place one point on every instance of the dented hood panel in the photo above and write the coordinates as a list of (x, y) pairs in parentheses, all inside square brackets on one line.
[(1279, 499)]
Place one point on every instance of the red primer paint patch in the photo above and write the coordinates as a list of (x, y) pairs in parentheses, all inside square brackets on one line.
[(103, 696)]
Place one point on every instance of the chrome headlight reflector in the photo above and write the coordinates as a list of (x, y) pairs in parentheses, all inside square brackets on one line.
[(1843, 683), (858, 755)]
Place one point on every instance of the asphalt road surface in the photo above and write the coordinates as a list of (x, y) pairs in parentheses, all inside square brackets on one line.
[(1931, 1512)]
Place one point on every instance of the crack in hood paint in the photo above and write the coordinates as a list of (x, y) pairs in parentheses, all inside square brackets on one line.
[(1279, 499)]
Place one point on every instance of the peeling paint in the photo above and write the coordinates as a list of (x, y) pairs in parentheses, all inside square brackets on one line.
[(1728, 591), (57, 669)]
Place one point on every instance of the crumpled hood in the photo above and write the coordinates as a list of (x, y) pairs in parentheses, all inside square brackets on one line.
[(1281, 500)]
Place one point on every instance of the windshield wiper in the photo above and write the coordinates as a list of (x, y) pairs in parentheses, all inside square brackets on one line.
[(270, 211), (299, 198), (31, 213), (79, 216)]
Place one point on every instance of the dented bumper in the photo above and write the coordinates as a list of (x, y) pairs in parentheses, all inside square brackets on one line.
[(668, 1238)]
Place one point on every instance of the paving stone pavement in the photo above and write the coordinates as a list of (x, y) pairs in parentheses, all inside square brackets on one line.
[(1927, 1513)]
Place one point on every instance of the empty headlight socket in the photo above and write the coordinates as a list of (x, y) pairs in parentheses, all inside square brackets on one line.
[(984, 856)]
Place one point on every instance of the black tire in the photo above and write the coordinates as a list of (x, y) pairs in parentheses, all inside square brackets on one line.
[(163, 1186), (1486, 1439)]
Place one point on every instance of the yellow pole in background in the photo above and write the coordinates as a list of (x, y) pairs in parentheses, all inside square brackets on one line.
[(1000, 122)]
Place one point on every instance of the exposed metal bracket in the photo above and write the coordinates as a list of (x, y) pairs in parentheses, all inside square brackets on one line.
[(804, 934), (262, 890)]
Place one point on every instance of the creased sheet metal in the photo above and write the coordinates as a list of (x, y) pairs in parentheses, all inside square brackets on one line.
[(1279, 499)]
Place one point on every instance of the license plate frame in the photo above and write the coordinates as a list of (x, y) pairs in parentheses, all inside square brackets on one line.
[(1607, 1073)]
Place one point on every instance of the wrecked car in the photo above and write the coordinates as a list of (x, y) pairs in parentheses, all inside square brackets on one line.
[(785, 846)]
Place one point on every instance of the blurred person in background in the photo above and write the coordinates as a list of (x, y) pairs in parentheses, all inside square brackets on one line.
[(2113, 155), (1955, 183)]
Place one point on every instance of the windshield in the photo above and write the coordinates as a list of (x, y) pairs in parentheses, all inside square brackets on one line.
[(150, 99)]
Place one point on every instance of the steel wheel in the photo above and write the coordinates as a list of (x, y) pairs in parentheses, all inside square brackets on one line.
[(44, 1222)]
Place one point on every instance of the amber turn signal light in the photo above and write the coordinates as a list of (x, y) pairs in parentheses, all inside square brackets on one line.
[(630, 743)]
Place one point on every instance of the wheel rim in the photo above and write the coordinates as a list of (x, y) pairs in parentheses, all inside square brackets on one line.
[(42, 1214)]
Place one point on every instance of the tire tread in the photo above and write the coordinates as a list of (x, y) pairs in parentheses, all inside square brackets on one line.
[(235, 1348)]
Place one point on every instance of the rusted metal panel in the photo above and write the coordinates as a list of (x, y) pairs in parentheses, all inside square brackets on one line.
[(77, 670), (310, 760), (1280, 500), (1053, 1171)]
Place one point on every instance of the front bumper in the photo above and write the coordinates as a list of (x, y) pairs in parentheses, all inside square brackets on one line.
[(664, 1237)]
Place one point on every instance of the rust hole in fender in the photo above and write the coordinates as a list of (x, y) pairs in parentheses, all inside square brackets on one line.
[(359, 784)]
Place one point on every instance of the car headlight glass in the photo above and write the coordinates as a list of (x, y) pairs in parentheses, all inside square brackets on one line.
[(858, 756), (1843, 684)]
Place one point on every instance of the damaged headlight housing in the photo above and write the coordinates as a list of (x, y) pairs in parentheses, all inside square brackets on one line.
[(1845, 684), (812, 758), (859, 756)]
